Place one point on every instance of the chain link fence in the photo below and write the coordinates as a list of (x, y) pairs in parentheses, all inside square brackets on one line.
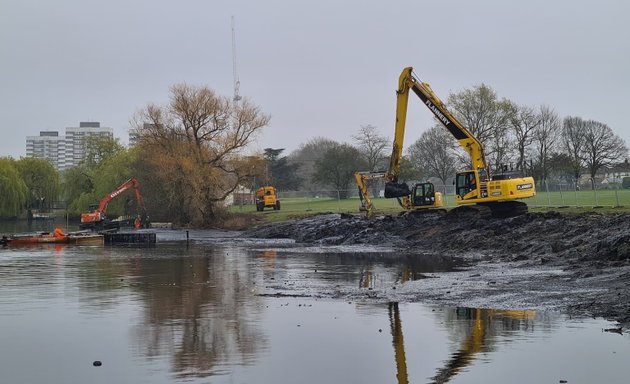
[(548, 196)]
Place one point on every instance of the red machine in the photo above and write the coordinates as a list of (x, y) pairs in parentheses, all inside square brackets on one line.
[(97, 218)]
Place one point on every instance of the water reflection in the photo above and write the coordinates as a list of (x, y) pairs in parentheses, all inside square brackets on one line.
[(196, 313), (475, 329), (366, 270), (199, 309), (195, 304), (478, 329), (399, 344)]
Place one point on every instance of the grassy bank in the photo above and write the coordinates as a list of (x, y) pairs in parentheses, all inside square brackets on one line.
[(570, 202)]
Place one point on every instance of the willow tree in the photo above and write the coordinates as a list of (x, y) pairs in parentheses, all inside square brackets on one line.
[(193, 150), (13, 190), (41, 179)]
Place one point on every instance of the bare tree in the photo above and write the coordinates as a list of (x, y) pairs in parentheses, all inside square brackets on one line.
[(524, 121), (502, 150), (193, 149), (573, 143), (545, 138), (486, 117), (602, 148), (435, 153), (371, 145)]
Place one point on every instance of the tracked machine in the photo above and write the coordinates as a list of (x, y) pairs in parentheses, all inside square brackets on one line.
[(97, 219), (475, 189)]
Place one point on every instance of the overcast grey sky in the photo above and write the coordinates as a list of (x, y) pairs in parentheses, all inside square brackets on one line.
[(319, 68)]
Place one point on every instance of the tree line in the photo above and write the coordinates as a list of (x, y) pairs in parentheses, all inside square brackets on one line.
[(192, 153)]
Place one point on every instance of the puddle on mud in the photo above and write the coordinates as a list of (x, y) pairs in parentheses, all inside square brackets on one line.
[(298, 272), (229, 314)]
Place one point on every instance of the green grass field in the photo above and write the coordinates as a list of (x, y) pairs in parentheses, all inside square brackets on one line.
[(602, 200)]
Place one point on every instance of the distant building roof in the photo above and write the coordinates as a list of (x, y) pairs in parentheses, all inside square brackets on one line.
[(89, 124)]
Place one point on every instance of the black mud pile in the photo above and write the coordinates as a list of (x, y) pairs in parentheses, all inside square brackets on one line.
[(593, 248)]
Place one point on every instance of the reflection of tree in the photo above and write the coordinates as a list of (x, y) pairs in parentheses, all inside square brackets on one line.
[(198, 309), (344, 267)]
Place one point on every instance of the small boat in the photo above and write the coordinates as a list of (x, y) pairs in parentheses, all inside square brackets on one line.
[(57, 237), (41, 238)]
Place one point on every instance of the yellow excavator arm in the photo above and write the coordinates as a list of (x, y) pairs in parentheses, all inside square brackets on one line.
[(465, 139), (364, 193)]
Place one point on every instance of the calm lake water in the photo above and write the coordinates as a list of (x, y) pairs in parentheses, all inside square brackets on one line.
[(209, 312)]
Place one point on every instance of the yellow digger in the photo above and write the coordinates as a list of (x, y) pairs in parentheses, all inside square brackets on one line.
[(496, 194), (267, 197)]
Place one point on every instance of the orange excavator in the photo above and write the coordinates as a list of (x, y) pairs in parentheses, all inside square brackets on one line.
[(97, 218)]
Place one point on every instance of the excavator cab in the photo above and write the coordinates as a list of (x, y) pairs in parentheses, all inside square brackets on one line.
[(420, 195), (465, 183), (423, 195)]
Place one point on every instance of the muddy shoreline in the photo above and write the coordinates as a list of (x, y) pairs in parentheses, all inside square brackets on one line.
[(576, 263)]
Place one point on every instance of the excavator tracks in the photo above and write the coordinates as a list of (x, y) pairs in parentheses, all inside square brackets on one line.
[(487, 210)]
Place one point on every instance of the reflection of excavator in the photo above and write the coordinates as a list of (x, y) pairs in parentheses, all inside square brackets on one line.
[(496, 194), (481, 322), (97, 219), (399, 344)]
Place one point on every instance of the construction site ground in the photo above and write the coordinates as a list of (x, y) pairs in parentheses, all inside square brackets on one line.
[(575, 263)]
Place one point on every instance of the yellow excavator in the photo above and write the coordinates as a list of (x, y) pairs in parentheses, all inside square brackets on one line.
[(497, 195)]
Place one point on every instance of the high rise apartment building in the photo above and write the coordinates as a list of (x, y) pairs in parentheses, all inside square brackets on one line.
[(68, 150), (48, 145)]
